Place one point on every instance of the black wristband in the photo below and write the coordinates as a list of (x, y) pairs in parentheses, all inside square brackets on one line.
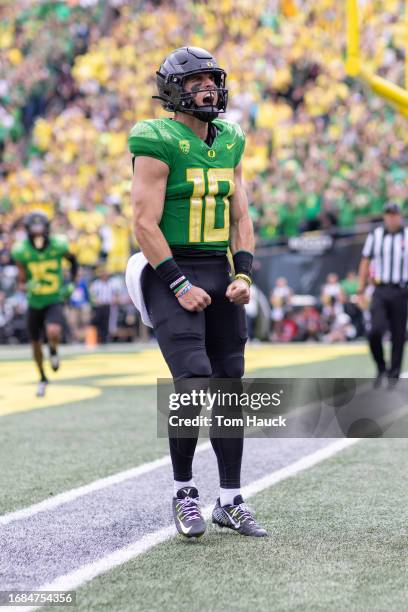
[(171, 274), (243, 262)]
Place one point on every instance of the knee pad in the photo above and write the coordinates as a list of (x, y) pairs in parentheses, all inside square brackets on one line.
[(375, 333), (230, 367), (194, 364), (235, 366)]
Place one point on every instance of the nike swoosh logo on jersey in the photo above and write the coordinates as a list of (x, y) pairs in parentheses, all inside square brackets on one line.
[(229, 146), (185, 530)]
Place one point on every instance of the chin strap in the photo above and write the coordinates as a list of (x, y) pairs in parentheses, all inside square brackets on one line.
[(198, 111)]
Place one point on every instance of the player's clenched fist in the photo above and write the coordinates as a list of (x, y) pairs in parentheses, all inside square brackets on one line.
[(195, 300), (238, 292)]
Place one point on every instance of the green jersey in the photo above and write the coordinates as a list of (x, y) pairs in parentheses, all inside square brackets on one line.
[(43, 269), (200, 182)]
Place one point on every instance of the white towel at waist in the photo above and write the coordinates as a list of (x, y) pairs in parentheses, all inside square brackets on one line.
[(134, 269)]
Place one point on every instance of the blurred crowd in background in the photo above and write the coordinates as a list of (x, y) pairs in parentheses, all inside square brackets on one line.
[(334, 316), (100, 311), (75, 75)]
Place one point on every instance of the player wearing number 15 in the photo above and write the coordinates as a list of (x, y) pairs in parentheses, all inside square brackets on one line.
[(189, 206), (39, 259)]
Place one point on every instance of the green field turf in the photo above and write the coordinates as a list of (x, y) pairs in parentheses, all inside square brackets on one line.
[(338, 531), (46, 451), (338, 542)]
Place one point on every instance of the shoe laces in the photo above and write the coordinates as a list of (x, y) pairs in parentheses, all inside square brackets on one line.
[(242, 512), (189, 508)]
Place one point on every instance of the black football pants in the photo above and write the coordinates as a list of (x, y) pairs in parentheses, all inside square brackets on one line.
[(388, 311), (195, 345), (39, 318), (101, 315)]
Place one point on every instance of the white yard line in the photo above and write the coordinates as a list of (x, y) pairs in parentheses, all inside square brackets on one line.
[(63, 498), (84, 574), (297, 466)]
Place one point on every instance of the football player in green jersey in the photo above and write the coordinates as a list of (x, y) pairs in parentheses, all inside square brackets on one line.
[(189, 206), (39, 260)]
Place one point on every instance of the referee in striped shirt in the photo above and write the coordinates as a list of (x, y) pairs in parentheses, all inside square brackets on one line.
[(387, 247)]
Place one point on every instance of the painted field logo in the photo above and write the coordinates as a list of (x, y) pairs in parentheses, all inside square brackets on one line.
[(184, 146)]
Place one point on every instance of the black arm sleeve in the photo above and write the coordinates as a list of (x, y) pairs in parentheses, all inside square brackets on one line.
[(74, 265)]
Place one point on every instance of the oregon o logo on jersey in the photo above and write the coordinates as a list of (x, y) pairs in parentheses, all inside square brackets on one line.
[(211, 153), (184, 146)]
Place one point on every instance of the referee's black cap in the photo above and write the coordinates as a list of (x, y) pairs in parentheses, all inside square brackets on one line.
[(392, 207)]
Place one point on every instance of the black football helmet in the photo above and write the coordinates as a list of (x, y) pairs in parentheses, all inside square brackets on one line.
[(37, 225), (171, 76)]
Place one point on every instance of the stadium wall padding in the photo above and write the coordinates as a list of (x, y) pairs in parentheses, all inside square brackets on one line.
[(306, 273)]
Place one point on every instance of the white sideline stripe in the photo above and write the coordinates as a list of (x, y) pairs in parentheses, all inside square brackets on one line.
[(97, 485), (68, 496), (298, 466), (87, 572)]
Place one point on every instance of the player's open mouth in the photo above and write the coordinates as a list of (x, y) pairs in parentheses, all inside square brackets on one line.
[(209, 98)]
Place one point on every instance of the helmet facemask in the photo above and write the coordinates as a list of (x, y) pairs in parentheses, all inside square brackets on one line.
[(37, 228), (217, 102), (175, 98)]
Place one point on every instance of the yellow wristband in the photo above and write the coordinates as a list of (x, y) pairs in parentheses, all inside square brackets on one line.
[(244, 277)]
